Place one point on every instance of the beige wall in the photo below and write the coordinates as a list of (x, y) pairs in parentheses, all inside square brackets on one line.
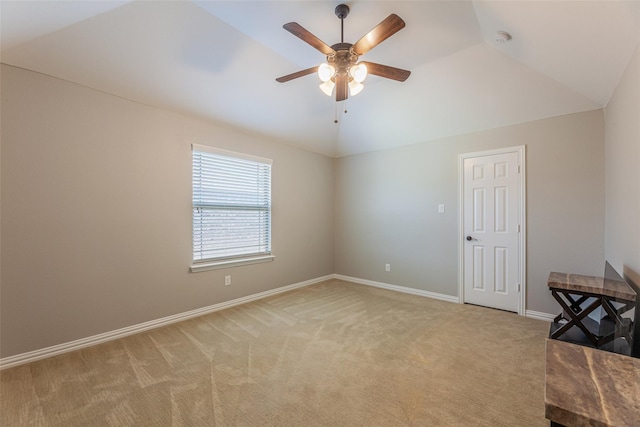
[(386, 206), (96, 231), (95, 214), (622, 148)]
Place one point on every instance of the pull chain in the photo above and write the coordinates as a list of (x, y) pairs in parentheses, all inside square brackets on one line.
[(335, 111)]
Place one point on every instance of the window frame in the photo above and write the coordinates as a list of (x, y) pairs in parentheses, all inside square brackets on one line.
[(219, 262)]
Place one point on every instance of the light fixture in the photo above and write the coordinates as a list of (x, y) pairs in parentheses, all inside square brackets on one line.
[(355, 87), (325, 72), (356, 74), (327, 87)]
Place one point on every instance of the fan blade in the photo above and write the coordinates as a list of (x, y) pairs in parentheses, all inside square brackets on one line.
[(298, 31), (342, 87), (386, 71), (297, 74), (391, 25)]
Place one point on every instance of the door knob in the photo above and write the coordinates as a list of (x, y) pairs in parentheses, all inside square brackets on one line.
[(469, 238)]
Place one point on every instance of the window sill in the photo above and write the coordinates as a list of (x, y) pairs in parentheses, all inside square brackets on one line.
[(215, 265)]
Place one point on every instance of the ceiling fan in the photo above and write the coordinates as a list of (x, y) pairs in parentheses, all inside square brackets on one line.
[(342, 70)]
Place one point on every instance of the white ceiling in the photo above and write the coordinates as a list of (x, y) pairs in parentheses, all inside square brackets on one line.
[(219, 60)]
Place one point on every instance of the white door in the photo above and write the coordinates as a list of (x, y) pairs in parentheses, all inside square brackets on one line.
[(491, 204)]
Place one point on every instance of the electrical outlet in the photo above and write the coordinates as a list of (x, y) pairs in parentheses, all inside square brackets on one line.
[(387, 267), (227, 280)]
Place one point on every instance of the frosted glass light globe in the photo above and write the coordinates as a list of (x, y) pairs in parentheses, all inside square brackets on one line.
[(358, 72), (325, 72), (327, 87)]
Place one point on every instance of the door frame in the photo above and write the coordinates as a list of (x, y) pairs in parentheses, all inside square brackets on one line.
[(522, 220)]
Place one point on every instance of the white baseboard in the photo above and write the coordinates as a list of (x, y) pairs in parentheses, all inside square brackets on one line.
[(540, 315), (403, 289), (32, 356), (442, 297)]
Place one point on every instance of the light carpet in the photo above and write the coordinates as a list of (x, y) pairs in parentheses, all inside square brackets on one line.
[(331, 354)]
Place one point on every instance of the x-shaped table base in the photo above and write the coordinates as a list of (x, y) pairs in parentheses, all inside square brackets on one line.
[(575, 314)]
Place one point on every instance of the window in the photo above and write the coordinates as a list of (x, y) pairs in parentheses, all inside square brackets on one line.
[(231, 209)]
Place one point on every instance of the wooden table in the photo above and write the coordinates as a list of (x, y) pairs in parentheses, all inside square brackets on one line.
[(574, 291), (590, 387)]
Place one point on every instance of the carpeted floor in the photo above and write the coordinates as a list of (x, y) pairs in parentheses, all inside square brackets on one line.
[(331, 354)]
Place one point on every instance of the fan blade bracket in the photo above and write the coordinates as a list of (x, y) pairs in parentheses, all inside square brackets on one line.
[(385, 29)]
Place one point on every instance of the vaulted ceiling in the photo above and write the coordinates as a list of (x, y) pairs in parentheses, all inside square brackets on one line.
[(219, 60)]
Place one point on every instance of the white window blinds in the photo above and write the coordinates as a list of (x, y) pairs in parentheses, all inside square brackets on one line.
[(231, 205)]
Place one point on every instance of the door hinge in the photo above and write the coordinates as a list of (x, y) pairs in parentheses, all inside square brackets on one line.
[(518, 228), (518, 287), (518, 168)]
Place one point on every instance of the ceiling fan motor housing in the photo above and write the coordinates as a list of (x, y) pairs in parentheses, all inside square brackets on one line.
[(343, 58)]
